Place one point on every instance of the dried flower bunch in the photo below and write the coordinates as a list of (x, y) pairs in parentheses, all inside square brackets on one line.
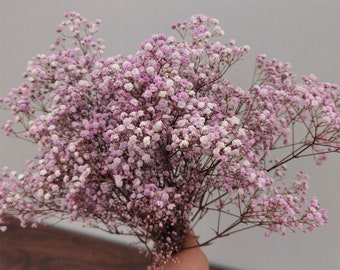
[(148, 144)]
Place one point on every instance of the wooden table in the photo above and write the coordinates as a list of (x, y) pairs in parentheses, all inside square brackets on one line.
[(49, 248)]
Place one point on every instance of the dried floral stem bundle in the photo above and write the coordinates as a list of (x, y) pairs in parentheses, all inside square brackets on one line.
[(148, 144)]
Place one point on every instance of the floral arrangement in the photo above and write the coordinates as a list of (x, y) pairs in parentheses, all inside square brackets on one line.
[(147, 145)]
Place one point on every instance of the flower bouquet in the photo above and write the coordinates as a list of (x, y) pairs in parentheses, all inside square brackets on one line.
[(147, 145)]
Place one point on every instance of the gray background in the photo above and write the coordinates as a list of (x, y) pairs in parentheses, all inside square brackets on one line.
[(304, 33)]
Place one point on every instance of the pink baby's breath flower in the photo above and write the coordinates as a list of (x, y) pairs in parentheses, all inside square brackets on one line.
[(118, 181), (146, 158), (128, 86), (147, 141), (184, 144)]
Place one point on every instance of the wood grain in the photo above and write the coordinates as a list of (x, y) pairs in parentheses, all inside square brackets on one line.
[(49, 248)]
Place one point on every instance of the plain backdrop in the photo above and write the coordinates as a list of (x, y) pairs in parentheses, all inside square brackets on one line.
[(302, 32)]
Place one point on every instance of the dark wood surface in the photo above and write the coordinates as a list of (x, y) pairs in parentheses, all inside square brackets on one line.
[(49, 248)]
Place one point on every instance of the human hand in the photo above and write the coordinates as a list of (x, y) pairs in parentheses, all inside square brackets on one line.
[(190, 258)]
